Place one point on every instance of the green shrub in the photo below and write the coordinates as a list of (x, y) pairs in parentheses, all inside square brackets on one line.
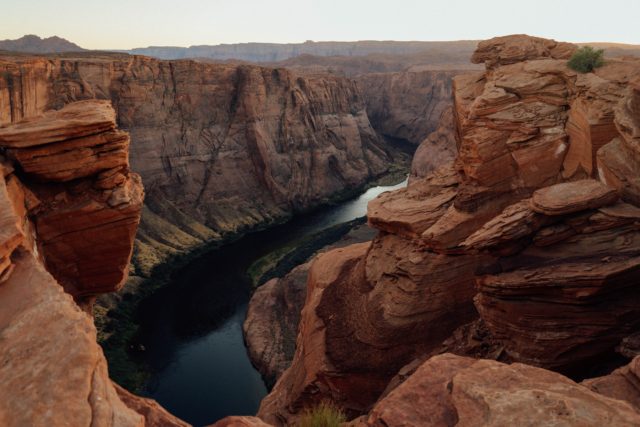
[(586, 59), (323, 415)]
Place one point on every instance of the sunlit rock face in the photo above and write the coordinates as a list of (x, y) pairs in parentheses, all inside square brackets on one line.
[(69, 208), (231, 146), (533, 228)]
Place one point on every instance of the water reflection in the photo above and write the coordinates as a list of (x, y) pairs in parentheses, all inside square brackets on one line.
[(192, 329)]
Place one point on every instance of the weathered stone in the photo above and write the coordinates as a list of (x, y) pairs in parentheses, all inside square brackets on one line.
[(622, 384), (439, 148), (450, 390), (516, 48), (154, 414), (570, 197), (80, 119)]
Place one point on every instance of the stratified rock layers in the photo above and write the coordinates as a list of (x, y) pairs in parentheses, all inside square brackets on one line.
[(531, 224), (60, 210), (406, 105), (449, 390), (230, 147)]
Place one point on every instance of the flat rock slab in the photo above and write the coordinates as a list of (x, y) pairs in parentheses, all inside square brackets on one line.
[(76, 120), (570, 197)]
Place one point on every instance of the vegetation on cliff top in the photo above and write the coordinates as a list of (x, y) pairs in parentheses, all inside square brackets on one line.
[(586, 59), (325, 414)]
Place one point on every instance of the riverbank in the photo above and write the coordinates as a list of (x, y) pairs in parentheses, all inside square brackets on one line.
[(117, 318)]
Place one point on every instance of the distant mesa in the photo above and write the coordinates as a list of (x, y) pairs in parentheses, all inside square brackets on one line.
[(34, 44)]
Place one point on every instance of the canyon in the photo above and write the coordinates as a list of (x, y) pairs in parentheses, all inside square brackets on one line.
[(496, 288), (531, 230)]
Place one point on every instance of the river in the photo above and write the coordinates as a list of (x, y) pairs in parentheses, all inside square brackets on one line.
[(191, 329)]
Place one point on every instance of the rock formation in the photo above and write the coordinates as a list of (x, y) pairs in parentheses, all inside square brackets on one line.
[(69, 208), (534, 225), (221, 148), (437, 149), (271, 325), (449, 390), (406, 105), (621, 384), (273, 316)]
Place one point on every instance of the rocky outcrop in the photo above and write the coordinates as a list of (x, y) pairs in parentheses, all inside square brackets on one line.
[(58, 211), (517, 48), (437, 149), (549, 248), (272, 320), (406, 105), (449, 390), (271, 325), (621, 384), (221, 148), (82, 200), (154, 414)]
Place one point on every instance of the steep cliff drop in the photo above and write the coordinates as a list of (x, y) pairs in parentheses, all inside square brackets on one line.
[(69, 208), (221, 148), (533, 228)]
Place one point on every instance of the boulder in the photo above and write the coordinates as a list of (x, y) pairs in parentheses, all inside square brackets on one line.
[(449, 390)]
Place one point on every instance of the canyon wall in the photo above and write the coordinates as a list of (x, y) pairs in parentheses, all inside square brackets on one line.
[(69, 208), (221, 148), (533, 229), (406, 105)]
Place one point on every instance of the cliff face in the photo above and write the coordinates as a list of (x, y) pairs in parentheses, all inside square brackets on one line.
[(533, 229), (69, 208), (407, 105), (220, 148), (437, 149)]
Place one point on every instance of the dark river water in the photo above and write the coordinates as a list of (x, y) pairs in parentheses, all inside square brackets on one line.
[(192, 329)]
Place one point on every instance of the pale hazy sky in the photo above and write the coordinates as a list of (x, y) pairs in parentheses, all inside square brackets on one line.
[(123, 24)]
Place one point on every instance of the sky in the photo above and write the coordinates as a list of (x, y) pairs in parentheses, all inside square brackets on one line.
[(125, 24)]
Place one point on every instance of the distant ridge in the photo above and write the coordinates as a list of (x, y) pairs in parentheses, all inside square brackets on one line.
[(274, 52), (34, 44)]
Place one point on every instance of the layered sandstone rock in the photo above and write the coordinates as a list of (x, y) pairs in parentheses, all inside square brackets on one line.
[(85, 228), (221, 148), (271, 325), (62, 215), (555, 263), (406, 105), (517, 48), (622, 384), (437, 149), (239, 131), (449, 390)]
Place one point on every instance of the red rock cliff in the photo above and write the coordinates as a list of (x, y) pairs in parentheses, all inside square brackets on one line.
[(533, 228), (69, 208)]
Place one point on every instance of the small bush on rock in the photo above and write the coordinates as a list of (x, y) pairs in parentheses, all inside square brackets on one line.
[(323, 415), (586, 59)]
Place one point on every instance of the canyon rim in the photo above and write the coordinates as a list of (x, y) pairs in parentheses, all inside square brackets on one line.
[(369, 233)]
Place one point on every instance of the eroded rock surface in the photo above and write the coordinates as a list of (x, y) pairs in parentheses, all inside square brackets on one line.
[(221, 148), (58, 212), (407, 105), (550, 269), (449, 390), (437, 149)]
